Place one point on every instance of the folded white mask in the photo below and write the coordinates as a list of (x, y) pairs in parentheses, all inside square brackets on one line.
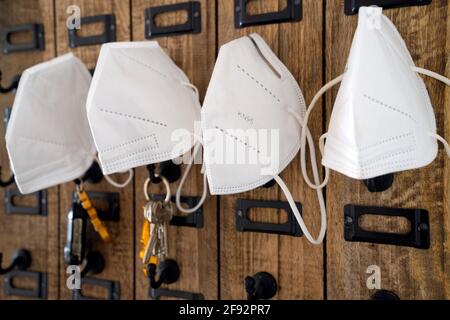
[(382, 121), (251, 123), (48, 138), (141, 106)]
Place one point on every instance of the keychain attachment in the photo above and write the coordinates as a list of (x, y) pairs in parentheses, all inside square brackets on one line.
[(86, 203)]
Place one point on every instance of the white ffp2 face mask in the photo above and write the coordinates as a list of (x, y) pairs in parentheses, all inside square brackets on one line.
[(382, 120), (141, 106), (252, 98), (48, 138)]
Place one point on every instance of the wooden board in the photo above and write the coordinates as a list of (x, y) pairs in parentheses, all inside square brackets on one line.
[(195, 250), (296, 264), (446, 195), (38, 234), (410, 273), (118, 256)]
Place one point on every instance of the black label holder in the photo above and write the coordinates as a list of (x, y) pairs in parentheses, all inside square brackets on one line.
[(37, 38), (244, 224), (41, 208), (418, 237), (192, 25), (351, 7), (38, 292), (112, 287), (109, 34), (113, 200), (156, 294), (292, 13)]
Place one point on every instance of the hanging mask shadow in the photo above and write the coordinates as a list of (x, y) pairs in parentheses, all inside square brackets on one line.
[(380, 184)]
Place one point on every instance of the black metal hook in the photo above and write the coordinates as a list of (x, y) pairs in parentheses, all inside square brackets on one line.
[(12, 86), (167, 169), (262, 286), (93, 175), (385, 295), (380, 184), (21, 260), (8, 182), (95, 263), (169, 272)]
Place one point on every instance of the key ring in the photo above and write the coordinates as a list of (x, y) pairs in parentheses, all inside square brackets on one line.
[(166, 185)]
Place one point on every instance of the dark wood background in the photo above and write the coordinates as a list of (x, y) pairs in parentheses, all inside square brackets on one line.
[(215, 259)]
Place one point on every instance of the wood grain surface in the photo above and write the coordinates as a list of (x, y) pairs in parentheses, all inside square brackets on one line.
[(294, 262), (38, 234), (410, 273), (195, 250), (215, 259), (119, 255)]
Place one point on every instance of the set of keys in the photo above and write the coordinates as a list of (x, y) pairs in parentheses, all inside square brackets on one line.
[(157, 216)]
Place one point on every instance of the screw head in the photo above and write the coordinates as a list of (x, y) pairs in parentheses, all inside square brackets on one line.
[(348, 220)]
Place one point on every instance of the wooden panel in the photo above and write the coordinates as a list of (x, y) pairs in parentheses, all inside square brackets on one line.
[(195, 250), (119, 255), (36, 234), (411, 273), (446, 173), (296, 264)]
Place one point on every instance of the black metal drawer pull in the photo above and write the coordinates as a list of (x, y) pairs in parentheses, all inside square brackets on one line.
[(112, 287), (418, 237), (244, 224), (109, 34), (352, 6), (37, 38), (112, 199), (39, 210), (292, 12), (192, 220), (156, 294), (38, 292), (192, 25)]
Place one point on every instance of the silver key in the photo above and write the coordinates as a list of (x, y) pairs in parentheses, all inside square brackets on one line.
[(151, 244), (162, 214)]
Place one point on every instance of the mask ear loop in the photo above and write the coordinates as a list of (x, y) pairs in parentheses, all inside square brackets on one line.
[(303, 136), (197, 147), (290, 199), (188, 169), (115, 183), (445, 80)]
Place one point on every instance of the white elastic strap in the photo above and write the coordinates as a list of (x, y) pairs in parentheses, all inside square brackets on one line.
[(432, 74), (445, 80), (125, 183), (115, 183), (323, 210), (303, 136), (443, 141), (190, 85), (183, 179)]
